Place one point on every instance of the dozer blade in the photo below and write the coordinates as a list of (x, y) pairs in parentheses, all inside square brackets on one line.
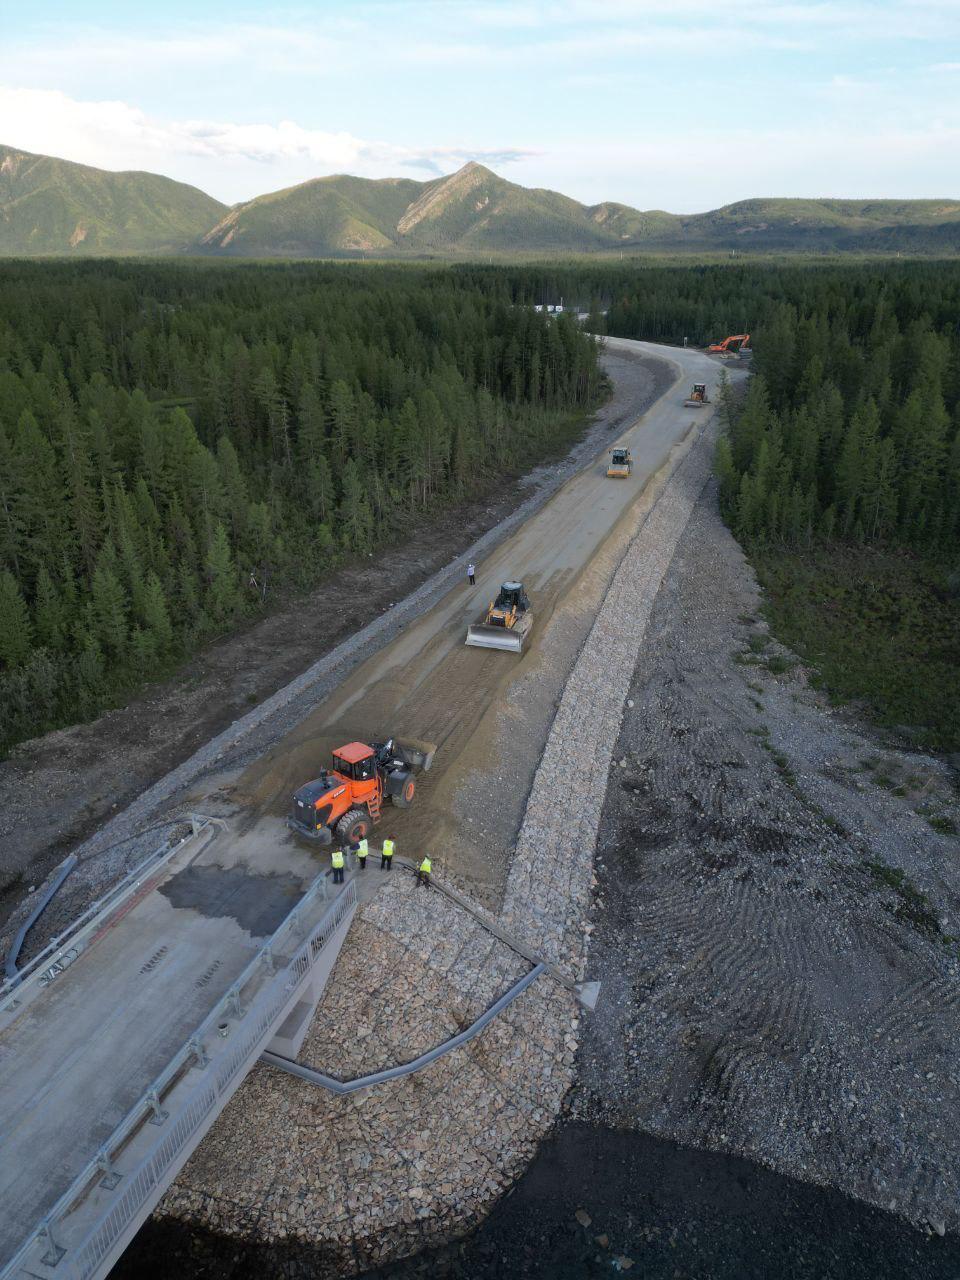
[(510, 639), (482, 637)]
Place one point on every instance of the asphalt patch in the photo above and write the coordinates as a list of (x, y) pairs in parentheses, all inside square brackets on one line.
[(258, 903)]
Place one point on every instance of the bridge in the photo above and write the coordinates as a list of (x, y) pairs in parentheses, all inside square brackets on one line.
[(123, 1040)]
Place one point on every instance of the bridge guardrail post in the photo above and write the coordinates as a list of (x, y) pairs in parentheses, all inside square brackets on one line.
[(199, 1053), (110, 1176), (54, 1251), (153, 1102)]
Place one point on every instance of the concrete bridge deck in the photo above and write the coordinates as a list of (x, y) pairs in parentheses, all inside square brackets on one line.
[(177, 985)]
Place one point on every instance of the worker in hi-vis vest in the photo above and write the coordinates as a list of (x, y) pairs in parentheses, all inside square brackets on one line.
[(336, 861), (362, 850), (386, 855), (423, 871)]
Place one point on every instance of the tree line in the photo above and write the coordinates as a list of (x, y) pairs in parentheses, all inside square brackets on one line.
[(851, 426), (178, 439)]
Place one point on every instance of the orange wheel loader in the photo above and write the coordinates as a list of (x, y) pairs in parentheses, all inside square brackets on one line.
[(349, 798)]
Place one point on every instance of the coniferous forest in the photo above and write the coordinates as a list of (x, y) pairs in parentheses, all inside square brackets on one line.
[(178, 439), (840, 473)]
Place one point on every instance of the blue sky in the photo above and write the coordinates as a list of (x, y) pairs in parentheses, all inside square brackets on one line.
[(676, 104)]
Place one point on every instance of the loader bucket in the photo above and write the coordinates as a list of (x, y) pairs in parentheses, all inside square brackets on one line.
[(417, 753)]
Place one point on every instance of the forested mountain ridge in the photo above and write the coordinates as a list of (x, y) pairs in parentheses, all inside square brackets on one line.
[(476, 211), (50, 206), (172, 437)]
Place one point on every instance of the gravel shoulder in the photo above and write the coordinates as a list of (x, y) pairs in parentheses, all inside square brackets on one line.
[(775, 931)]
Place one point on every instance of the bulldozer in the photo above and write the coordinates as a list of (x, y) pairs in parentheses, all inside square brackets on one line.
[(348, 799), (698, 397), (506, 623), (620, 464)]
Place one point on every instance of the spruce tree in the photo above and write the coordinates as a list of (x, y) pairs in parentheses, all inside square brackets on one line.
[(222, 594), (109, 603), (16, 631)]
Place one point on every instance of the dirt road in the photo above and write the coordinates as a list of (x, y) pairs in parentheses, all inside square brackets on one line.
[(110, 775), (488, 712)]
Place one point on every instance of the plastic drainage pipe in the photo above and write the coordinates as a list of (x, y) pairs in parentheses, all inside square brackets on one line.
[(13, 955), (406, 1068)]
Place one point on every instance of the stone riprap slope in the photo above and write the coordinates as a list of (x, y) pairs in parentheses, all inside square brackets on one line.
[(319, 1181)]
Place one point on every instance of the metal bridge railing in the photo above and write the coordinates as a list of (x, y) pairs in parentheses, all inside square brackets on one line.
[(56, 946), (203, 1099)]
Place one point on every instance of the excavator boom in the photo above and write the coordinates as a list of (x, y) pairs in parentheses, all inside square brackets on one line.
[(736, 342)]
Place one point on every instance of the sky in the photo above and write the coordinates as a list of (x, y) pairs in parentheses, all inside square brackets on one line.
[(673, 104)]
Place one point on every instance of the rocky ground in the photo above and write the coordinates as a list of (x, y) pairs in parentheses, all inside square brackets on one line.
[(775, 930), (316, 1184)]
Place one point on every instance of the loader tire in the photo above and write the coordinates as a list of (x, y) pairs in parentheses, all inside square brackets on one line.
[(405, 798), (354, 825)]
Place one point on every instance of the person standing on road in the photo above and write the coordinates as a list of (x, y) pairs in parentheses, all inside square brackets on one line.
[(423, 872), (362, 850), (472, 574), (336, 861), (386, 855)]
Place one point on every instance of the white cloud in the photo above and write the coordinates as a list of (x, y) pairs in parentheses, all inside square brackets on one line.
[(116, 135)]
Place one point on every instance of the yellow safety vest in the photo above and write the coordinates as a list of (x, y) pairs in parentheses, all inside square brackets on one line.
[(363, 850), (337, 859), (425, 865), (388, 848)]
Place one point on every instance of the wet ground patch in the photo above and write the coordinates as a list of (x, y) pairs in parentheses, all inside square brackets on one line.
[(258, 903)]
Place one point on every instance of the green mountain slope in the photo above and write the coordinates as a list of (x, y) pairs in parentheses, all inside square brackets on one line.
[(475, 210), (50, 206), (328, 215)]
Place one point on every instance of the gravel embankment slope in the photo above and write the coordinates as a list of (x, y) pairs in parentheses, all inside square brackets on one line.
[(765, 993)]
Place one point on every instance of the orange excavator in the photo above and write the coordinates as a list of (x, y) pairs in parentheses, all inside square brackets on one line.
[(735, 345), (349, 798)]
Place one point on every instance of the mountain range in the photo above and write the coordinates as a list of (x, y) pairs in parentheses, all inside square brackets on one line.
[(55, 207)]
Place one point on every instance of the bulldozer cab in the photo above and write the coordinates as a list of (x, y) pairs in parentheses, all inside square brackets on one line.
[(512, 597)]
